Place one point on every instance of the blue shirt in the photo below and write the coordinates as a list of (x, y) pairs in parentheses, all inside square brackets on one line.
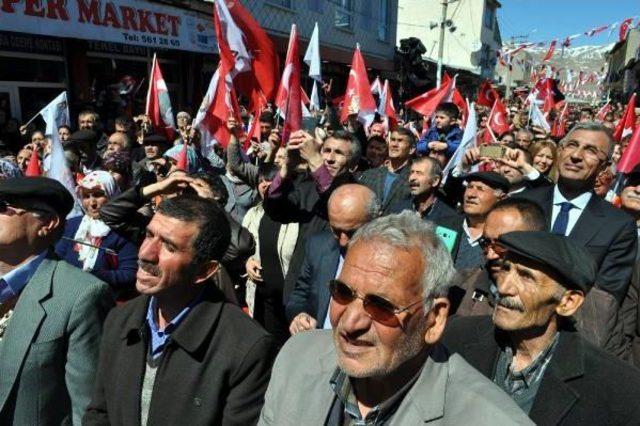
[(160, 338), (388, 182), (12, 283)]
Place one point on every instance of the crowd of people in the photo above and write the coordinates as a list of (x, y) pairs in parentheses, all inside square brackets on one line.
[(344, 276)]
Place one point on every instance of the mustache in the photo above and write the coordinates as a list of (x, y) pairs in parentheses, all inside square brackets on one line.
[(149, 268), (510, 303)]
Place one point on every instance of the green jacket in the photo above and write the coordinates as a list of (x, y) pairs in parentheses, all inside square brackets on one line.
[(49, 352)]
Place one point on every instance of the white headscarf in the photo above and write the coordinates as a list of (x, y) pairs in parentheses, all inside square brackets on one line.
[(93, 231)]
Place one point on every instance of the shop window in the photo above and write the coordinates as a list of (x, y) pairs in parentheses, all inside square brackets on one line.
[(31, 70)]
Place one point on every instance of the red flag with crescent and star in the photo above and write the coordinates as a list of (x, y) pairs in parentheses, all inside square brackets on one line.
[(498, 118)]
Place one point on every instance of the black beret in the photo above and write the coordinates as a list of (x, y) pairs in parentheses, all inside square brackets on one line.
[(575, 266), (38, 192), (154, 140), (493, 179), (84, 135), (633, 178)]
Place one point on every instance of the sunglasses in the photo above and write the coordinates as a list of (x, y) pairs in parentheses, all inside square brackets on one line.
[(489, 243), (378, 308)]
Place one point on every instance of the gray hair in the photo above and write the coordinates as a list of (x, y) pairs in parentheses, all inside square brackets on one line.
[(184, 113), (593, 126), (355, 150), (435, 169), (405, 231)]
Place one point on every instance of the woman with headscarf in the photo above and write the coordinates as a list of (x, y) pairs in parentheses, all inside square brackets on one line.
[(91, 245)]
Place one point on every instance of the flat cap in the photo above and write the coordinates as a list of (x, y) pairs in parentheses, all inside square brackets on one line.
[(570, 261), (83, 135), (154, 140), (493, 179), (39, 192)]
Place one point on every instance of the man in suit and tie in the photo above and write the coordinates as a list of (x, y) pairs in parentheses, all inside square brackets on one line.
[(383, 362), (572, 209), (390, 181), (349, 207), (51, 313)]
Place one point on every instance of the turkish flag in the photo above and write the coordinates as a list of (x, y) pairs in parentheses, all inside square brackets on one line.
[(259, 84), (624, 29), (183, 158), (387, 109), (606, 109), (289, 97), (358, 98), (631, 156), (498, 118), (487, 95), (559, 125), (158, 106), (549, 54), (427, 103), (33, 168), (627, 123)]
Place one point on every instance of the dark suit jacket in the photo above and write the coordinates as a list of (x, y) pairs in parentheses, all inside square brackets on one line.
[(49, 351), (582, 385), (399, 192), (608, 233), (119, 273), (215, 369), (311, 293)]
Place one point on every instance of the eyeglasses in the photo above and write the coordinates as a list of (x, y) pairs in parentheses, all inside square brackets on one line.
[(489, 243), (378, 308), (589, 150)]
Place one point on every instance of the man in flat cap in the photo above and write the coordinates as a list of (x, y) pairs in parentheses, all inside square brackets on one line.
[(531, 350), (154, 146), (85, 143), (482, 191), (51, 313)]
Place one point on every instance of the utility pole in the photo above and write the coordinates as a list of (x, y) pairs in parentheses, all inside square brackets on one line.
[(445, 4), (514, 39)]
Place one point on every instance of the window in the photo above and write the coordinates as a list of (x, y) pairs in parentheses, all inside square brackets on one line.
[(489, 16), (383, 20), (344, 13)]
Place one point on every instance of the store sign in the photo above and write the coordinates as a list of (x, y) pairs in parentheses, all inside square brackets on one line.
[(134, 22)]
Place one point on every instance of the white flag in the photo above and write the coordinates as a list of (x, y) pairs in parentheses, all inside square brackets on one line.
[(55, 115), (468, 140), (537, 118), (314, 100), (312, 55)]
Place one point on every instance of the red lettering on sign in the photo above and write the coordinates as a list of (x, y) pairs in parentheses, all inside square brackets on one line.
[(110, 16), (145, 25), (56, 10), (161, 20), (33, 8), (128, 18), (175, 22), (89, 13), (7, 6)]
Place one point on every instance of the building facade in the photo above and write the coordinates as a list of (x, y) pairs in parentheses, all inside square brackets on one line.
[(101, 52), (472, 33), (623, 62)]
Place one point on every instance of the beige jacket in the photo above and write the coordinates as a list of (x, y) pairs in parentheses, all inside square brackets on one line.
[(287, 239)]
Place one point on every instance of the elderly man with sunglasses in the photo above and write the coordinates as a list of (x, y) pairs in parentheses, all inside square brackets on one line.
[(572, 209), (530, 347), (382, 362), (51, 313)]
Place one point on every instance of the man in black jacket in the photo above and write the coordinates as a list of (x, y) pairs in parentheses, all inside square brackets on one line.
[(180, 354), (531, 349), (572, 208)]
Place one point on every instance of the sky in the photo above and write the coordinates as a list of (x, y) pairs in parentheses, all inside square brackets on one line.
[(544, 20)]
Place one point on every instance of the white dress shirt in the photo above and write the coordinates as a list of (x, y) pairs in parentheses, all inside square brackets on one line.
[(327, 319), (579, 204)]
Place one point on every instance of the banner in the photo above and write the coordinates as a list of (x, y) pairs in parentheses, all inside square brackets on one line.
[(136, 22)]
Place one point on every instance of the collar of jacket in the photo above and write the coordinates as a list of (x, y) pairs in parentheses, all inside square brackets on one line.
[(193, 332)]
